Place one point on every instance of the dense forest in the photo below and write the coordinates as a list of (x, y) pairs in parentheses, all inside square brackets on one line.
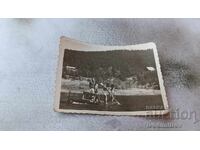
[(117, 64)]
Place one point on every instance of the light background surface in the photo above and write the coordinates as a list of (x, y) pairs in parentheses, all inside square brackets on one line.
[(28, 58)]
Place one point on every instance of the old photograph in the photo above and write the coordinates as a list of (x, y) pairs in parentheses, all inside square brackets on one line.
[(118, 81)]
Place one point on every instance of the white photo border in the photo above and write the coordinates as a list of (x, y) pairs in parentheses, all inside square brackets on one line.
[(67, 43)]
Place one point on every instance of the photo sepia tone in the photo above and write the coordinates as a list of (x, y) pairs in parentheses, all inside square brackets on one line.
[(118, 80)]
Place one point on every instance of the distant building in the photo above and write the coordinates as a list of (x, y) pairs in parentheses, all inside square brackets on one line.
[(151, 68), (72, 71)]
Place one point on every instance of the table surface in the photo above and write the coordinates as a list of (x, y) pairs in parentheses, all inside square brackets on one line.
[(28, 57)]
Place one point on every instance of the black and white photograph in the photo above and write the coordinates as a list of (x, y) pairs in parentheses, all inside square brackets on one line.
[(115, 81)]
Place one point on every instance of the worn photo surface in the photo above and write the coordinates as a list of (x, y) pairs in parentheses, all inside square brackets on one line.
[(110, 80)]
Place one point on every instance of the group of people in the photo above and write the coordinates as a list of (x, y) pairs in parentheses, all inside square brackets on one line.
[(108, 92)]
